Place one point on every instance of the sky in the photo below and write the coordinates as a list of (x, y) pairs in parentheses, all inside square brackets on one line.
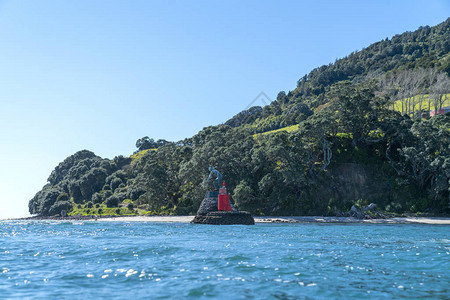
[(99, 75)]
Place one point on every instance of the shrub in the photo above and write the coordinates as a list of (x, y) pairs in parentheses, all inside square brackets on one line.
[(63, 197), (118, 211), (121, 196), (97, 205), (96, 198), (130, 206), (118, 174), (115, 183), (79, 206), (92, 181), (121, 161), (100, 211), (60, 206), (243, 195), (135, 193), (43, 201), (107, 194), (75, 191), (121, 190), (89, 204), (394, 207), (112, 201)]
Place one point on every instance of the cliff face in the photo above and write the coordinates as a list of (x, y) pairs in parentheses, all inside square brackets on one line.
[(355, 181), (350, 183)]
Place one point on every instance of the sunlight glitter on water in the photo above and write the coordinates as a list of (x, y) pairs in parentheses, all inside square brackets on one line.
[(47, 259)]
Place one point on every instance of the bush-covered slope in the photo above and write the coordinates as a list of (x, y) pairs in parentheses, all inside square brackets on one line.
[(343, 142)]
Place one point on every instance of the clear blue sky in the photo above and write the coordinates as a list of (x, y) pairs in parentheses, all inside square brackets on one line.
[(98, 75)]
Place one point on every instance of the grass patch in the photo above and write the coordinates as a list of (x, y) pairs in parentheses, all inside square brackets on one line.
[(397, 106), (122, 210), (103, 210), (413, 104), (287, 129)]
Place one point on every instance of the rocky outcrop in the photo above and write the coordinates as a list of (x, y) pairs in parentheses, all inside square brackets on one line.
[(208, 204), (208, 213), (368, 212)]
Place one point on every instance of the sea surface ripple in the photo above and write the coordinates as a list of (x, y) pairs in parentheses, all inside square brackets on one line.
[(76, 260)]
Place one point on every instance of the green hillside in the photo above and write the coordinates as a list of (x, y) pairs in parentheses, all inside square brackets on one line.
[(415, 104), (339, 138)]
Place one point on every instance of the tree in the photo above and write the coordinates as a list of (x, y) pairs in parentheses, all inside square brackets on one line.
[(91, 182), (43, 200), (440, 90), (113, 201), (145, 143), (359, 111), (59, 206), (420, 153), (244, 196), (62, 170), (317, 134)]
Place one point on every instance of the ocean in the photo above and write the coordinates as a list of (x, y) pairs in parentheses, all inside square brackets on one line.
[(145, 260)]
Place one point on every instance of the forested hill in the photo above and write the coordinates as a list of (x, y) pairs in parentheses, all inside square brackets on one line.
[(424, 49), (360, 132)]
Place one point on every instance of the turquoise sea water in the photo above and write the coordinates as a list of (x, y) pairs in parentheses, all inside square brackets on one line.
[(76, 260)]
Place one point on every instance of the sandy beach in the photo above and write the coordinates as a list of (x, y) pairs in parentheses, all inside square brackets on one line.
[(187, 219)]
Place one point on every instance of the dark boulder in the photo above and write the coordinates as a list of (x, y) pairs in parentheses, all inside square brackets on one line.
[(208, 204), (208, 213), (368, 212)]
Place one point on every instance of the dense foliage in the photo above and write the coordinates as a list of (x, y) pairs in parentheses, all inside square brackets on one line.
[(352, 146)]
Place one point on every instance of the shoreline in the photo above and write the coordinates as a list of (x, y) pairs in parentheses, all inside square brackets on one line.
[(258, 220)]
